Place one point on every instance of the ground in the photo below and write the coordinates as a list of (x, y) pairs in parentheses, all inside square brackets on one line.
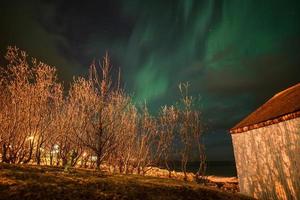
[(44, 182)]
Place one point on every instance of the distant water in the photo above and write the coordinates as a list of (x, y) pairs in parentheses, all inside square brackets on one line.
[(221, 168), (216, 168)]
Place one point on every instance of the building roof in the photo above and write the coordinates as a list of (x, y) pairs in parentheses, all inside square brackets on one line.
[(283, 106)]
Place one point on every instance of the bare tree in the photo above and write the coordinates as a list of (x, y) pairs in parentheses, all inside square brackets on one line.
[(123, 155), (15, 83), (168, 119), (197, 129), (190, 133), (147, 153), (81, 107), (107, 104), (48, 96), (28, 89), (96, 123)]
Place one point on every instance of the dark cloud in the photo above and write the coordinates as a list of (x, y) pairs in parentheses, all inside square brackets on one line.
[(21, 27)]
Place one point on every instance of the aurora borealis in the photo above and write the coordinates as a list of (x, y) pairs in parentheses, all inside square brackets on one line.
[(236, 54)]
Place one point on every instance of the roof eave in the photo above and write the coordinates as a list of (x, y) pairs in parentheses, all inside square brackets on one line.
[(266, 123)]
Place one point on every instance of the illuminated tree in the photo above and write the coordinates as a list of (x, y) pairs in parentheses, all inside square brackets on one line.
[(96, 123), (29, 91), (190, 133), (168, 120)]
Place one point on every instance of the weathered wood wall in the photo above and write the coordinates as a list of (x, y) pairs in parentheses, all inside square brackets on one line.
[(268, 160)]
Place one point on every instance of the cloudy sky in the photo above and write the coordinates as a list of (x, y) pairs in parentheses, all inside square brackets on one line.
[(235, 54)]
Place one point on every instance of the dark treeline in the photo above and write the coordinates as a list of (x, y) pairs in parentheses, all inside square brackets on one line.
[(95, 124)]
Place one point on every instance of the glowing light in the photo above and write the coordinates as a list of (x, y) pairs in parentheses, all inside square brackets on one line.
[(56, 147), (30, 138)]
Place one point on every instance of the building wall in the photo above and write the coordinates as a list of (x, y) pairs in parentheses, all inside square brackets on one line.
[(268, 161)]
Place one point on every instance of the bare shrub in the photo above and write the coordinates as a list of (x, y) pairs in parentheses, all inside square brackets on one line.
[(168, 120), (28, 89), (191, 133), (96, 124)]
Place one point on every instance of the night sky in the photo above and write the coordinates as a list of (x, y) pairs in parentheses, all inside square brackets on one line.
[(236, 54)]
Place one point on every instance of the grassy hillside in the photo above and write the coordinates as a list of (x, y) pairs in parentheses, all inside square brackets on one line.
[(42, 182)]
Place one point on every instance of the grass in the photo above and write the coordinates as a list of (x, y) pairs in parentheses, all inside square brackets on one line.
[(44, 182)]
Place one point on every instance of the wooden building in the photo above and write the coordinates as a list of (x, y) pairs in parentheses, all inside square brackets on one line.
[(267, 148)]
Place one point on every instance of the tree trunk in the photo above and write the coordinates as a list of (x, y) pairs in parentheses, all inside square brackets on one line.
[(51, 159), (168, 168), (98, 162), (38, 156), (183, 167), (4, 152)]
